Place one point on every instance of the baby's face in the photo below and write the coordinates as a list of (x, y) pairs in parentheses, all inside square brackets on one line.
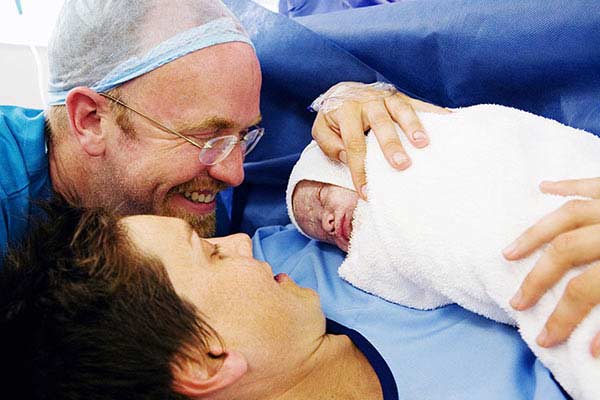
[(324, 211)]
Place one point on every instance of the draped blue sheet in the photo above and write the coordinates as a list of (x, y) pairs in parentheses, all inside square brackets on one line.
[(299, 8), (540, 56)]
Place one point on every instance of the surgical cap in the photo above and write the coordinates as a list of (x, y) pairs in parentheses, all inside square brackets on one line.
[(102, 44)]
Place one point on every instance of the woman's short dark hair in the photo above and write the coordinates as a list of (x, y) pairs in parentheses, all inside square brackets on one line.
[(84, 315)]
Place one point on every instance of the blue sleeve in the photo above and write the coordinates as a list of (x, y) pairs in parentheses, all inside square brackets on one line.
[(24, 176)]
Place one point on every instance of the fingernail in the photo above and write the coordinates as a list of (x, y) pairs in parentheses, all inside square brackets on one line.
[(543, 338), (419, 136), (401, 160), (343, 157), (517, 301), (363, 190), (511, 249), (596, 347)]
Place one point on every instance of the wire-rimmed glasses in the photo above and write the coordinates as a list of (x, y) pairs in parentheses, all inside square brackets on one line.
[(214, 150)]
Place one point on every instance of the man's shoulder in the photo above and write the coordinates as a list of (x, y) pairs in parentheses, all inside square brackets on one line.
[(22, 148), (15, 118)]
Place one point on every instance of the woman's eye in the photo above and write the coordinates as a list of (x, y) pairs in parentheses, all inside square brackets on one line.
[(217, 252)]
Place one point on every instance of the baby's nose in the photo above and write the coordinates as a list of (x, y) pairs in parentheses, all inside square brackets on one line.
[(328, 222)]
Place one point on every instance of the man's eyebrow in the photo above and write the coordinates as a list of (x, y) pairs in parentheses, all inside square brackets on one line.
[(211, 124)]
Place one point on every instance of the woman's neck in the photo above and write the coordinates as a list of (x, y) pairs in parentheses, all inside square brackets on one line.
[(339, 370)]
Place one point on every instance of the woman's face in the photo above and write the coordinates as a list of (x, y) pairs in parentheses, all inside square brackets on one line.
[(325, 211)]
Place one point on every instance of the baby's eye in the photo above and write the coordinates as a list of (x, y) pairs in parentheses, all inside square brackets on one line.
[(319, 194)]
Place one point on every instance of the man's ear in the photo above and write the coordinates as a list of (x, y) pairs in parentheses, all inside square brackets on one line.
[(219, 371), (85, 108)]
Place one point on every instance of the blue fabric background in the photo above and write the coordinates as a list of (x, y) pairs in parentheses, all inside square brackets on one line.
[(298, 8), (540, 56)]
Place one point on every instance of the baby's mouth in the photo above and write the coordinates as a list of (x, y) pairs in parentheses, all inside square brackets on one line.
[(345, 227)]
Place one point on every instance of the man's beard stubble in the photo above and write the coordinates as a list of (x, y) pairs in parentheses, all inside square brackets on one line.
[(128, 203), (205, 225)]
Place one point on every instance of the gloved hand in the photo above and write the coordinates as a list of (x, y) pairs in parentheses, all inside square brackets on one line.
[(349, 109)]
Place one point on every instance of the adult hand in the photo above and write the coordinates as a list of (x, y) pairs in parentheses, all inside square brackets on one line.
[(349, 109), (573, 236)]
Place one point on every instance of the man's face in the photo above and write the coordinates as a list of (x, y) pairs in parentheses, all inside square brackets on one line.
[(269, 319), (324, 211), (211, 92)]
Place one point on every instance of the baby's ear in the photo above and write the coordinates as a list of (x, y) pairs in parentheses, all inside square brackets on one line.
[(219, 370)]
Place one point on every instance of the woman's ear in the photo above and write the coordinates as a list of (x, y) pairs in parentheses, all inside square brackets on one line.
[(220, 370), (83, 107)]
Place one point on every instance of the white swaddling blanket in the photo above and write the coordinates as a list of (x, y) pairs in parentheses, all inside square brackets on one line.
[(434, 234)]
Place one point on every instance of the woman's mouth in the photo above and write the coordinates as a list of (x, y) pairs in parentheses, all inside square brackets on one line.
[(281, 277)]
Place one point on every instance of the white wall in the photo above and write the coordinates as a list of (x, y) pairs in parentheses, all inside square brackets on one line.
[(20, 81), (19, 77)]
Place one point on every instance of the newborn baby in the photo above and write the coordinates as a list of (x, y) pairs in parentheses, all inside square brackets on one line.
[(324, 211), (433, 234)]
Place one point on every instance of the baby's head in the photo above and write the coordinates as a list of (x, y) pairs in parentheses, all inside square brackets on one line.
[(321, 198), (324, 211)]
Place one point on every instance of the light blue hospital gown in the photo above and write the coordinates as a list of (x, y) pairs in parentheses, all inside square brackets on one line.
[(24, 166), (447, 353)]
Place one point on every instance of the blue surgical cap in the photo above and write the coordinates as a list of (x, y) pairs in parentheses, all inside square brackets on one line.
[(102, 44)]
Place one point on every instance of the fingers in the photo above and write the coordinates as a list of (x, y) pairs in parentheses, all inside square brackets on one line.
[(573, 187), (567, 250), (353, 137), (405, 116), (340, 130), (419, 105), (328, 138), (581, 295), (573, 214), (378, 118)]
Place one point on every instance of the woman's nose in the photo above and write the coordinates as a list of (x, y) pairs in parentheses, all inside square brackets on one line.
[(238, 244)]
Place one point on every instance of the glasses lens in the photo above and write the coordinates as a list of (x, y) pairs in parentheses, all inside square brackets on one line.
[(251, 139), (217, 149)]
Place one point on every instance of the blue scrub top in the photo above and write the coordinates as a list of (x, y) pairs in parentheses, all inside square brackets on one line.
[(446, 353), (25, 176)]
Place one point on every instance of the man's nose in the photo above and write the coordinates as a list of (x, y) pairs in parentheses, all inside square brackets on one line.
[(231, 169), (238, 244)]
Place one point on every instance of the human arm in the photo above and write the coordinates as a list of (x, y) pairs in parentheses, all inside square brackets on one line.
[(573, 236), (349, 109)]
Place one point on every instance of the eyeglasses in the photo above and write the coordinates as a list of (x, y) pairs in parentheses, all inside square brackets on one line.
[(214, 150)]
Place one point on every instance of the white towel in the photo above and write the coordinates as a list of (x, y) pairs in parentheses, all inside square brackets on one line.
[(434, 234)]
